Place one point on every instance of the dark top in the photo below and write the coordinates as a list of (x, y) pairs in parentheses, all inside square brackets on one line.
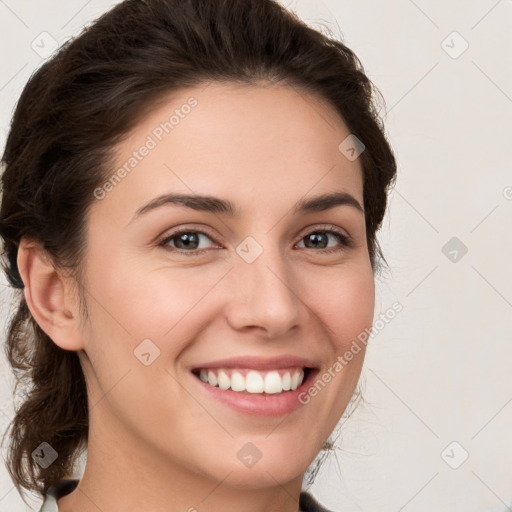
[(306, 503)]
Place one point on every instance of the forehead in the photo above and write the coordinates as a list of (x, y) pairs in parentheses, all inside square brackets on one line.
[(264, 142)]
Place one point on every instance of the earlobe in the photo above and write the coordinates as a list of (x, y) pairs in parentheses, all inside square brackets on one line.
[(48, 296)]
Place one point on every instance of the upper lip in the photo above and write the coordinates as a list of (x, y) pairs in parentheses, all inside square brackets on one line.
[(259, 363)]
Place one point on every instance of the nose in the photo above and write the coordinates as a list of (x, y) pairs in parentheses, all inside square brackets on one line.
[(263, 296)]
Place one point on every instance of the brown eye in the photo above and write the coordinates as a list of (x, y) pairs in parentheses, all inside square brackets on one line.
[(320, 240), (186, 241)]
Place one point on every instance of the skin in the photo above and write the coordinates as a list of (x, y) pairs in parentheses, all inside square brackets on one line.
[(155, 436)]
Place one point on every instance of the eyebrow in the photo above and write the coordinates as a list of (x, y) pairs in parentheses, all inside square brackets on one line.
[(216, 205)]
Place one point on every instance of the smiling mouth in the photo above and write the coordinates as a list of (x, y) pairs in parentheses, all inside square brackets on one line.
[(250, 381)]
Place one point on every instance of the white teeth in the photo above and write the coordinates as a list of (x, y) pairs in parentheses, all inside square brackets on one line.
[(287, 382), (273, 383), (295, 380), (237, 382), (252, 381), (212, 378), (223, 380)]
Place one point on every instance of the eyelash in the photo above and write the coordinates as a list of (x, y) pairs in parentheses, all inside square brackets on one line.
[(346, 242)]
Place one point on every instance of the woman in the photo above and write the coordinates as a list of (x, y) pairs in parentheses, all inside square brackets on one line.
[(191, 196)]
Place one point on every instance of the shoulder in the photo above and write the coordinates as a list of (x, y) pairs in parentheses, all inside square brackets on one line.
[(56, 491), (308, 504)]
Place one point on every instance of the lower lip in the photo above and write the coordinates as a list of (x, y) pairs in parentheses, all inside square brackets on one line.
[(255, 404)]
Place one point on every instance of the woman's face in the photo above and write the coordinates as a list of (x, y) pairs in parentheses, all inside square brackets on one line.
[(269, 280)]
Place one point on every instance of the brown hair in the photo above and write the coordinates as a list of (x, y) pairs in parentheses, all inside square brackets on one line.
[(80, 103)]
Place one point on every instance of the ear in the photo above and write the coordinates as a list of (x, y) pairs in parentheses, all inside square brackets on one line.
[(49, 296)]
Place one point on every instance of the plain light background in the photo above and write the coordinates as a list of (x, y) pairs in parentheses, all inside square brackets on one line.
[(434, 432)]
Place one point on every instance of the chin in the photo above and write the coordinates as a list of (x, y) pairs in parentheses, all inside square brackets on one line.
[(276, 469), (251, 479)]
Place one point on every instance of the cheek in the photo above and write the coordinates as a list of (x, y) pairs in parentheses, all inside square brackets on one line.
[(346, 309), (153, 302), (169, 304), (171, 307), (139, 317), (157, 312), (345, 303)]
